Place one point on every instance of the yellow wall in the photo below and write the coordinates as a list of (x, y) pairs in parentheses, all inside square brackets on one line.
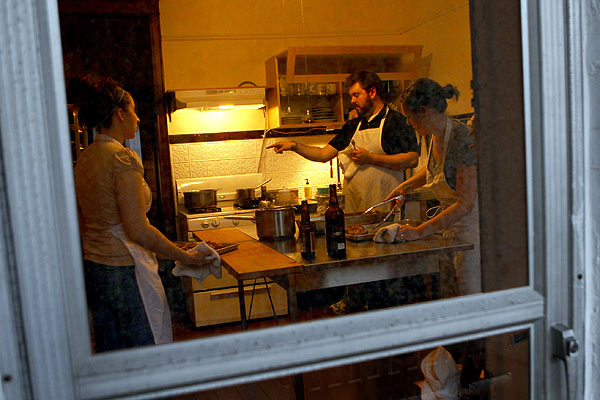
[(215, 43)]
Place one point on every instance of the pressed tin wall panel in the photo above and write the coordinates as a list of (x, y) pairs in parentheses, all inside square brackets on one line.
[(232, 157)]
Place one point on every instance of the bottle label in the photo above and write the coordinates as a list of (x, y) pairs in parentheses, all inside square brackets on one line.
[(341, 246)]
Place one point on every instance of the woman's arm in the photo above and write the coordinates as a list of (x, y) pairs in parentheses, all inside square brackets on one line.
[(466, 188), (409, 185), (130, 198)]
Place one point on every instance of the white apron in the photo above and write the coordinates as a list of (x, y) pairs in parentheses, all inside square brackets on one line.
[(367, 184), (467, 264), (151, 288)]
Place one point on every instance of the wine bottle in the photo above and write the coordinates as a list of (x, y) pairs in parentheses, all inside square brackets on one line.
[(307, 233), (335, 234)]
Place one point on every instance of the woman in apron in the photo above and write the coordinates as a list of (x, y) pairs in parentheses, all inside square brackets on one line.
[(125, 294), (450, 174)]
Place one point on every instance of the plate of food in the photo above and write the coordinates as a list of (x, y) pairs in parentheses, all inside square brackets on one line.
[(359, 233), (221, 248)]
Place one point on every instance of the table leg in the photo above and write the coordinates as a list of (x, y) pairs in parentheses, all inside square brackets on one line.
[(292, 299), (242, 301), (298, 383), (448, 281)]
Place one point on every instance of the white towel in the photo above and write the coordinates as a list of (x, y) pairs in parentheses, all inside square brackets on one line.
[(349, 167), (200, 272), (386, 234)]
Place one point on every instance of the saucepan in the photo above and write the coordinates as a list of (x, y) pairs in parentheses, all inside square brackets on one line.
[(200, 198), (272, 223), (247, 195)]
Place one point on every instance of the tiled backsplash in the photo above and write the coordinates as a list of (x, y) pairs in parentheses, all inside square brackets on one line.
[(232, 157)]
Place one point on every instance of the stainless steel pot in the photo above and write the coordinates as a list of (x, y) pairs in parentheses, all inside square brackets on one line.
[(275, 222), (272, 223), (200, 198)]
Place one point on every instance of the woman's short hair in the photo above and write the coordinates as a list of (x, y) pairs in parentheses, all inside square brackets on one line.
[(425, 92), (97, 98)]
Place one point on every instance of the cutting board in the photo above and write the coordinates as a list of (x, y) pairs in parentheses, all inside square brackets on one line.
[(252, 259)]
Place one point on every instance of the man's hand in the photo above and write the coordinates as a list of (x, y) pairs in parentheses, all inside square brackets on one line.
[(280, 147), (361, 156)]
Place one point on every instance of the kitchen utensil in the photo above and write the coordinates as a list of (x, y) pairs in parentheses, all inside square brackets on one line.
[(368, 210), (384, 220), (246, 197), (264, 183), (272, 223), (200, 198)]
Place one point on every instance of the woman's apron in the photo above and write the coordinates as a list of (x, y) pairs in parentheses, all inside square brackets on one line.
[(367, 184), (149, 283), (467, 264)]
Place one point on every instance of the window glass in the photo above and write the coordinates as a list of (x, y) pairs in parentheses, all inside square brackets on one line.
[(414, 136), (495, 367)]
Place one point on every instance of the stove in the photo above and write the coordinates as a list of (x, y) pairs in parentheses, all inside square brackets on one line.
[(211, 302), (214, 217)]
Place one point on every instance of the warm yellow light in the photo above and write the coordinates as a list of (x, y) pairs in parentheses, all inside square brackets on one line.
[(226, 107)]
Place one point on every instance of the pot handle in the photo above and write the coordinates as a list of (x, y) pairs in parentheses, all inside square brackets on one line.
[(240, 217)]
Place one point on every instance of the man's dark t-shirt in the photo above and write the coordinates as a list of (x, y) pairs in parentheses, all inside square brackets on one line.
[(396, 137)]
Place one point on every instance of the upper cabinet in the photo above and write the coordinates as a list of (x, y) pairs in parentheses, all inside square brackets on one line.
[(305, 84)]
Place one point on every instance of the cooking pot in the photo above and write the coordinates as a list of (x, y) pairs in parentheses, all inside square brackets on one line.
[(245, 197), (272, 223), (200, 198)]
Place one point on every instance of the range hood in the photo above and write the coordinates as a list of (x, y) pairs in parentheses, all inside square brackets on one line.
[(238, 98)]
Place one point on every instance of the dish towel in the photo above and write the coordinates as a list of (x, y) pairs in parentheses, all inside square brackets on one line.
[(442, 376), (200, 272), (386, 234), (349, 167)]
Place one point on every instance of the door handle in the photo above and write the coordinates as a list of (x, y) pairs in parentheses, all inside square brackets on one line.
[(566, 347)]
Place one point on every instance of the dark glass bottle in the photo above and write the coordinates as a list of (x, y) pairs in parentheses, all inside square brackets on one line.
[(307, 233), (335, 234)]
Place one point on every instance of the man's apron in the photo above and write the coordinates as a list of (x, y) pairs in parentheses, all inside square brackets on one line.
[(467, 264), (367, 184), (151, 288)]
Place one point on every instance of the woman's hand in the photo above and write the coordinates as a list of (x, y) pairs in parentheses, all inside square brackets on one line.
[(199, 257), (406, 233), (394, 193), (280, 147)]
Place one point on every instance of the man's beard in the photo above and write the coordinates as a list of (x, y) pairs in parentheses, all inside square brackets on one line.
[(365, 111)]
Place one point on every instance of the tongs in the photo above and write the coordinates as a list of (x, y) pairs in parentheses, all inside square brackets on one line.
[(368, 210), (384, 220)]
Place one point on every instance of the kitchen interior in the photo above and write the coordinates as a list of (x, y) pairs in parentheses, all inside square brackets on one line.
[(217, 82)]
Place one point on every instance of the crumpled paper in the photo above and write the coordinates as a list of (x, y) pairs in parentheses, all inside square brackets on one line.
[(200, 272)]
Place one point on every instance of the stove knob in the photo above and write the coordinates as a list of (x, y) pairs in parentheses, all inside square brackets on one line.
[(235, 222), (204, 223), (215, 222)]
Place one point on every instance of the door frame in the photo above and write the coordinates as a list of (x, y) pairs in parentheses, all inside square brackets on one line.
[(49, 293)]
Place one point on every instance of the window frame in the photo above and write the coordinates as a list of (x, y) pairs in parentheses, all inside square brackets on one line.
[(40, 205)]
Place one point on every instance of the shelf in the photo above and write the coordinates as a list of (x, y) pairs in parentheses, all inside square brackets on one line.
[(301, 78)]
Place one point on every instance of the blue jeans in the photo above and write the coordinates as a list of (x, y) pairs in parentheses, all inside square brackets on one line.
[(118, 313)]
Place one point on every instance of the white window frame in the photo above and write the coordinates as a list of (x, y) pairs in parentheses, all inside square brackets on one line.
[(41, 243)]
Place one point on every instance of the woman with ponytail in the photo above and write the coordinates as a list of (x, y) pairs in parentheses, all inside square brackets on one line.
[(450, 174), (125, 294)]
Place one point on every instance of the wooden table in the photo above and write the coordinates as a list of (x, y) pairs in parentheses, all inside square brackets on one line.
[(366, 261)]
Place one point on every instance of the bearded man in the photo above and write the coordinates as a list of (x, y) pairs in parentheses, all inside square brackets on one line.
[(374, 149)]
